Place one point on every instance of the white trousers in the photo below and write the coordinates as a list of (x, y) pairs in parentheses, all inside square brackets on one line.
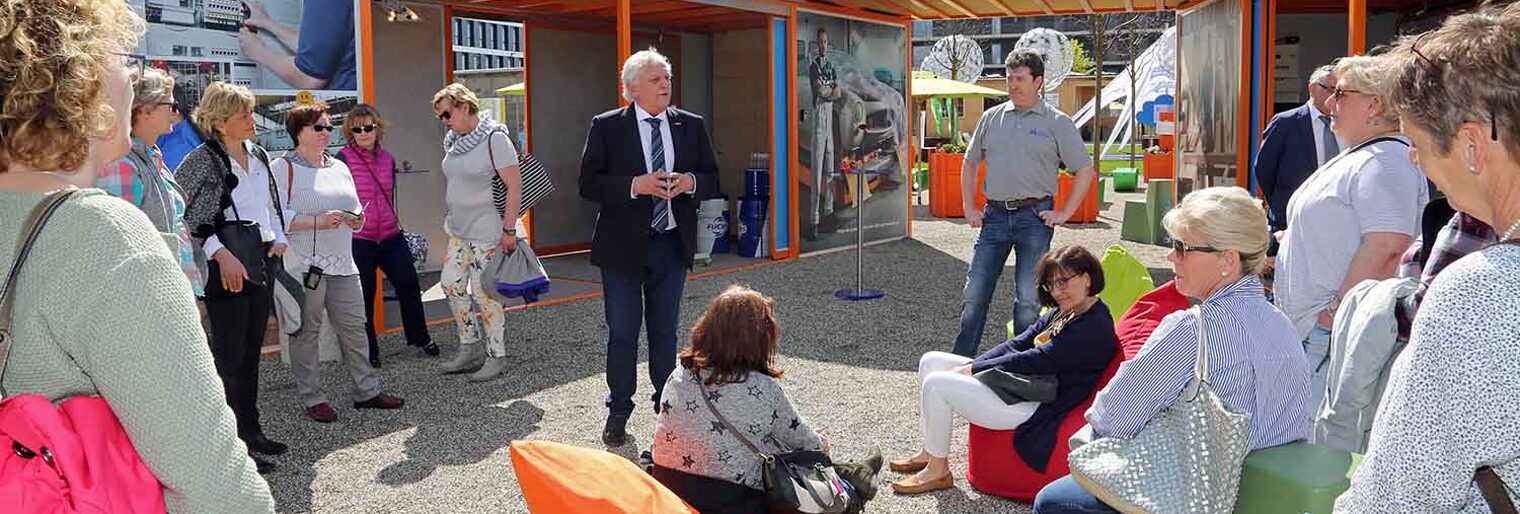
[(943, 393)]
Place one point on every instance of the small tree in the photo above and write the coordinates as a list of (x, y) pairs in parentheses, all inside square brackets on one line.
[(1081, 63)]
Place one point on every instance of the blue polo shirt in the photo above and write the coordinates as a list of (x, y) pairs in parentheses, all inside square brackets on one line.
[(327, 44)]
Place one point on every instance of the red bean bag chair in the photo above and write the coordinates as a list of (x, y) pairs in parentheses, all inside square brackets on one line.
[(559, 478), (1145, 315), (994, 468)]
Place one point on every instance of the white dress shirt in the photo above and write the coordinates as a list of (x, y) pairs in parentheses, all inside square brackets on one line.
[(1319, 134), (646, 135), (251, 196)]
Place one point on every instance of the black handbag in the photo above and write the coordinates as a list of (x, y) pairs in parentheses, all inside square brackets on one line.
[(799, 482), (244, 239), (1017, 387)]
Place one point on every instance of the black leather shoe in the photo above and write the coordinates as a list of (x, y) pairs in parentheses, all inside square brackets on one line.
[(431, 349), (265, 445), (263, 466), (374, 361), (615, 434)]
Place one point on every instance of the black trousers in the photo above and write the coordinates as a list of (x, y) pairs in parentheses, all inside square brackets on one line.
[(392, 257), (237, 324), (710, 495)]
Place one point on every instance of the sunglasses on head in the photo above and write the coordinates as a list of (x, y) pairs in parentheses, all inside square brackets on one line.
[(1414, 47), (321, 128), (1183, 248), (364, 129)]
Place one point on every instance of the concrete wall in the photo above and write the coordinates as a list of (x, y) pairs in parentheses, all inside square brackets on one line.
[(1322, 38), (409, 67), (572, 77), (740, 119), (696, 74)]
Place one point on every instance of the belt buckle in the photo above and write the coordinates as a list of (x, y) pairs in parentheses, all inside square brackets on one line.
[(1008, 205)]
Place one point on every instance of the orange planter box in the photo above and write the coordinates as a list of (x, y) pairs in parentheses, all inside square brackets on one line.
[(1088, 211), (945, 184), (1159, 166)]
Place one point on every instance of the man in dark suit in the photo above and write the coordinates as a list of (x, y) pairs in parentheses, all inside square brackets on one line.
[(647, 166), (1295, 144)]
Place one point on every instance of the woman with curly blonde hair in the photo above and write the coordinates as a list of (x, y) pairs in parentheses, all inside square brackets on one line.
[(101, 306)]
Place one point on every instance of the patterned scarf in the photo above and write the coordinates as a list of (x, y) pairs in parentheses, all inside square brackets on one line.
[(459, 144)]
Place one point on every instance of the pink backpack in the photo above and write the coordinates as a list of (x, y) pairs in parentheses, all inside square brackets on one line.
[(71, 458)]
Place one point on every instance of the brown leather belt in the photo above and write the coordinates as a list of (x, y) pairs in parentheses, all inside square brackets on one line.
[(1013, 205)]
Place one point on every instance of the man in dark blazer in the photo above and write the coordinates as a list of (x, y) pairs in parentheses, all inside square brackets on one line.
[(1296, 143), (647, 166)]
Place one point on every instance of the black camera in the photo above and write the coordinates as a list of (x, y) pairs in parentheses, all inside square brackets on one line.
[(312, 278)]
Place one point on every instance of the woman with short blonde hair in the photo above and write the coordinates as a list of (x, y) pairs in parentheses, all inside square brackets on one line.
[(101, 307), (238, 293), (1353, 218), (478, 152), (1256, 365)]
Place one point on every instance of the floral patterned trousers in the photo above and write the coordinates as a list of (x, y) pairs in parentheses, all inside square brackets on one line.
[(477, 315)]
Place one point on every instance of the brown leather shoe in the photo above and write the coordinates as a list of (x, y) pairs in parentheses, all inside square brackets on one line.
[(911, 485), (907, 465), (380, 401), (321, 413)]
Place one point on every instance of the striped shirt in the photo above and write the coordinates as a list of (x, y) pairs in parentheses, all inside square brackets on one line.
[(1256, 365)]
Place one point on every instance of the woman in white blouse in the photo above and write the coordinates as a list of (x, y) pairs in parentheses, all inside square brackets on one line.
[(322, 210), (1452, 407)]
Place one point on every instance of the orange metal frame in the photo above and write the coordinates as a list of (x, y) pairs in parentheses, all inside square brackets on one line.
[(1243, 123)]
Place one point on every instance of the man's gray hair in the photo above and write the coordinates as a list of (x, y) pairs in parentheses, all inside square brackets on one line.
[(636, 64), (1321, 72)]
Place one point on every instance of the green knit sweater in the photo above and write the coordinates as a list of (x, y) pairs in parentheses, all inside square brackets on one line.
[(103, 308)]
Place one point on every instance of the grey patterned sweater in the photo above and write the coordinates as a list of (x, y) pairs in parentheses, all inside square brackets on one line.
[(688, 438)]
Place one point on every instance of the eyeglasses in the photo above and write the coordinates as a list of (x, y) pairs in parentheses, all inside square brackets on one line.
[(134, 62), (1342, 92), (321, 128), (364, 129), (1183, 248), (1321, 84), (1059, 283), (1493, 116), (445, 115), (173, 107)]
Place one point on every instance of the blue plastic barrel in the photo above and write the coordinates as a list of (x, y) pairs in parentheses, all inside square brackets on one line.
[(752, 213)]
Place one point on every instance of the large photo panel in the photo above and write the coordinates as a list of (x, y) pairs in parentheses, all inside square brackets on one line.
[(277, 48), (851, 89)]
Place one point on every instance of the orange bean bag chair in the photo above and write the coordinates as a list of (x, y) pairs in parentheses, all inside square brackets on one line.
[(559, 478), (994, 468)]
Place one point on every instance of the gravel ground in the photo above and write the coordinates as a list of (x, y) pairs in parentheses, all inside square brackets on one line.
[(850, 369)]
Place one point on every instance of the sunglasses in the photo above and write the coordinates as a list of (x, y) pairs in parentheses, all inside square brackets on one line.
[(173, 107), (445, 115), (364, 129), (1493, 116), (1341, 92), (1056, 284), (1183, 248), (321, 128)]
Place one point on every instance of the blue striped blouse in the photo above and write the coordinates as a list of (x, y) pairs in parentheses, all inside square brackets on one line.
[(1256, 363)]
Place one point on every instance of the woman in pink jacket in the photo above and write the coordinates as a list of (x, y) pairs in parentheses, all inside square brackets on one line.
[(380, 244)]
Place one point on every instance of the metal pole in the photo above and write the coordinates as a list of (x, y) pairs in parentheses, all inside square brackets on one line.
[(860, 231)]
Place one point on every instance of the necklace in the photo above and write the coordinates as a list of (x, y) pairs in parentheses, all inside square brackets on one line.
[(1508, 234)]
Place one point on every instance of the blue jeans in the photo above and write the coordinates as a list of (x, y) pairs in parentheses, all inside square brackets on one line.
[(1317, 352), (1066, 496), (1025, 234), (652, 298)]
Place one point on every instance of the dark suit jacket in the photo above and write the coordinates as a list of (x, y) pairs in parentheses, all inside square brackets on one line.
[(1287, 157), (613, 156)]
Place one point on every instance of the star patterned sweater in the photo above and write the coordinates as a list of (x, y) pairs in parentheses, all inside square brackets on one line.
[(688, 438)]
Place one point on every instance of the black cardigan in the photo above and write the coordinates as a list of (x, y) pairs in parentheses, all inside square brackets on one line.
[(1078, 356)]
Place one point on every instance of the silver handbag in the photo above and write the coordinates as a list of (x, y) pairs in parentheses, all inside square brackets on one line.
[(1186, 460)]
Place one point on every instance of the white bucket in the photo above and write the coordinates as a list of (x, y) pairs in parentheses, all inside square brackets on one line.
[(711, 225)]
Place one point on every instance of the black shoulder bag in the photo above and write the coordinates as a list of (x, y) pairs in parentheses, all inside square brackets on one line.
[(799, 482)]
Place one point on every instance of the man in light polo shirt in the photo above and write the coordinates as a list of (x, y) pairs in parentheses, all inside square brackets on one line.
[(1024, 143)]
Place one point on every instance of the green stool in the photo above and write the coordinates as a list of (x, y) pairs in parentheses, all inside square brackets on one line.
[(1159, 194), (1294, 478), (1102, 190), (1137, 225), (1126, 179)]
